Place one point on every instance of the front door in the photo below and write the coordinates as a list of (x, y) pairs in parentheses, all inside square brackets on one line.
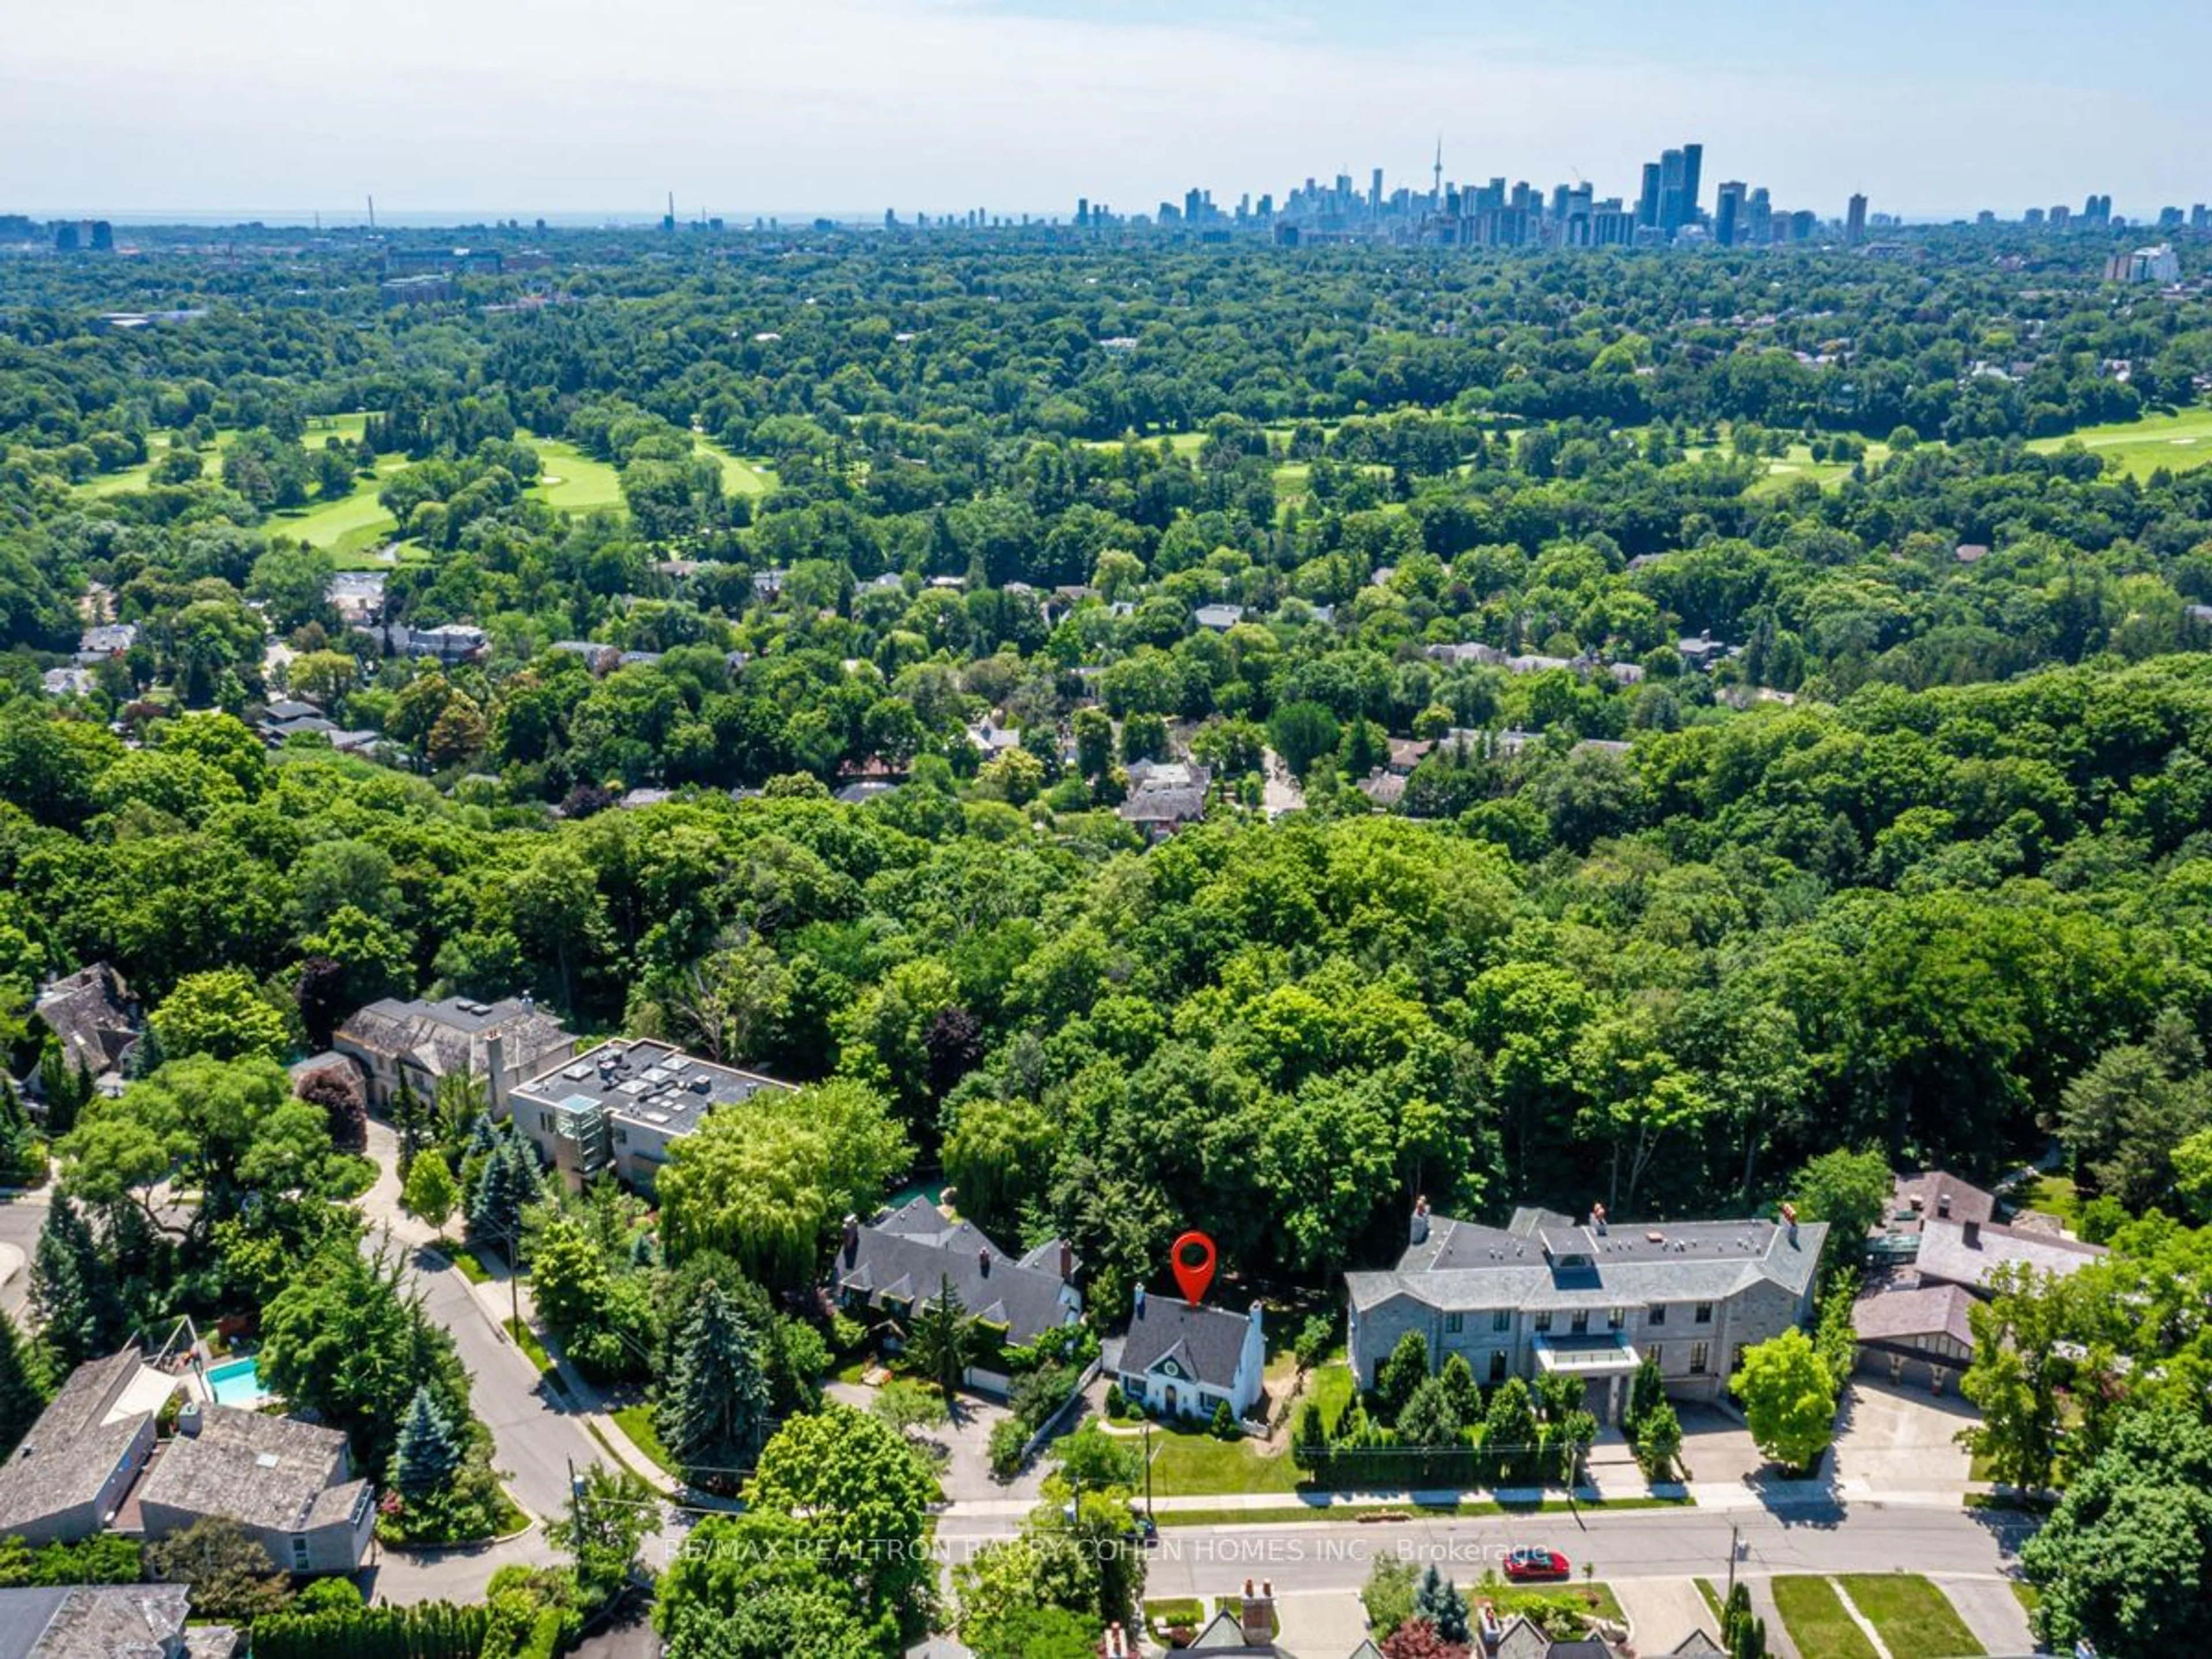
[(1171, 1400)]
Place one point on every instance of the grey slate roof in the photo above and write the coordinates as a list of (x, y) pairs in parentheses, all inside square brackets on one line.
[(1463, 1264), (1697, 1642), (1936, 1194), (1205, 1342), (1891, 1313), (92, 1014), (1945, 1253), (103, 1621), (447, 1037), (274, 1473), (72, 1449), (906, 1255)]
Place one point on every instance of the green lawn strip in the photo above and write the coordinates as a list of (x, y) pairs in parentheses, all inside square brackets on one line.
[(1382, 1513), (1595, 1599), (636, 1424), (2027, 1595), (739, 476), (1814, 1616), (468, 1265), (1713, 1597), (527, 1339), (1913, 1615)]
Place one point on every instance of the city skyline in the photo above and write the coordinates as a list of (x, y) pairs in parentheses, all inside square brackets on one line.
[(846, 107)]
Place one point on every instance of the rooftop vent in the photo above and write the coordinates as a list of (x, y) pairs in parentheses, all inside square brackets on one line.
[(266, 1461)]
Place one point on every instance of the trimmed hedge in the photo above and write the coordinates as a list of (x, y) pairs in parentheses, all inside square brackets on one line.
[(430, 1630)]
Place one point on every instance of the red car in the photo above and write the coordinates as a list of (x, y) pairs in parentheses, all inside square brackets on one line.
[(1523, 1565)]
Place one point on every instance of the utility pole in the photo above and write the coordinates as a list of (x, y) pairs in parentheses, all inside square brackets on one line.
[(1148, 1468), (1734, 1536)]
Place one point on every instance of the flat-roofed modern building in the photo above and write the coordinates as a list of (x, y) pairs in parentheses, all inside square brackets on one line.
[(621, 1106), (1547, 1293)]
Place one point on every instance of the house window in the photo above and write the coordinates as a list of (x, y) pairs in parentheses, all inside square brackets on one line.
[(1452, 1323), (1655, 1315), (298, 1552), (545, 1121), (1544, 1319), (1616, 1319), (1502, 1320), (1580, 1324), (1698, 1358), (1497, 1366), (1705, 1313)]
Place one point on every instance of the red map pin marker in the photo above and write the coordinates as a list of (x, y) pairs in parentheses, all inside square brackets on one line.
[(1191, 1257)]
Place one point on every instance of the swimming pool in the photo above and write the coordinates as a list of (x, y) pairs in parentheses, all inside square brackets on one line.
[(237, 1382)]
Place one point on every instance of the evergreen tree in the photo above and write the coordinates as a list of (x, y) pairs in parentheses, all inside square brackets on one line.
[(712, 1414), (66, 1088), (73, 1290), (1460, 1388), (1743, 1633), (1509, 1434), (1404, 1371), (21, 1397), (506, 1187), (942, 1341), (428, 1452), (1439, 1604), (21, 1158)]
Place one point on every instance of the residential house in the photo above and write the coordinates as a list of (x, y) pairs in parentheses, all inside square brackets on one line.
[(68, 682), (448, 643), (901, 1261), (107, 1622), (621, 1105), (1218, 618), (768, 584), (357, 595), (289, 1483), (1545, 1293), (992, 739), (1701, 652), (71, 1472), (1931, 1258), (1164, 796), (599, 658), (1488, 656), (283, 716), (498, 1043), (1522, 1638), (860, 794), (95, 1019), (1242, 1627), (106, 639), (1182, 1359)]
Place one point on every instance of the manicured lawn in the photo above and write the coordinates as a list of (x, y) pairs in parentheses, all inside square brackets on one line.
[(574, 481), (2178, 442), (1330, 1386), (358, 520), (1712, 1598), (1911, 1613), (2027, 1595), (636, 1422), (466, 1263), (2054, 1195), (1595, 1598), (1816, 1620), (1191, 1463)]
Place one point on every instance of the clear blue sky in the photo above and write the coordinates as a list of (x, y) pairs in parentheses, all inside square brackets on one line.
[(1936, 107)]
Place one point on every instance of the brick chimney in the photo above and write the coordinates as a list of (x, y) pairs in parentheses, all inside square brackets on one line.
[(495, 1063), (1419, 1232), (984, 1261), (1597, 1219), (852, 1238), (1067, 1261), (1258, 1615), (1139, 1302), (1790, 1220), (1970, 1231)]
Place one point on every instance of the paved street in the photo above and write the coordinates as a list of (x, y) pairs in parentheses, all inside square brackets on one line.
[(1863, 1537), (22, 1215)]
